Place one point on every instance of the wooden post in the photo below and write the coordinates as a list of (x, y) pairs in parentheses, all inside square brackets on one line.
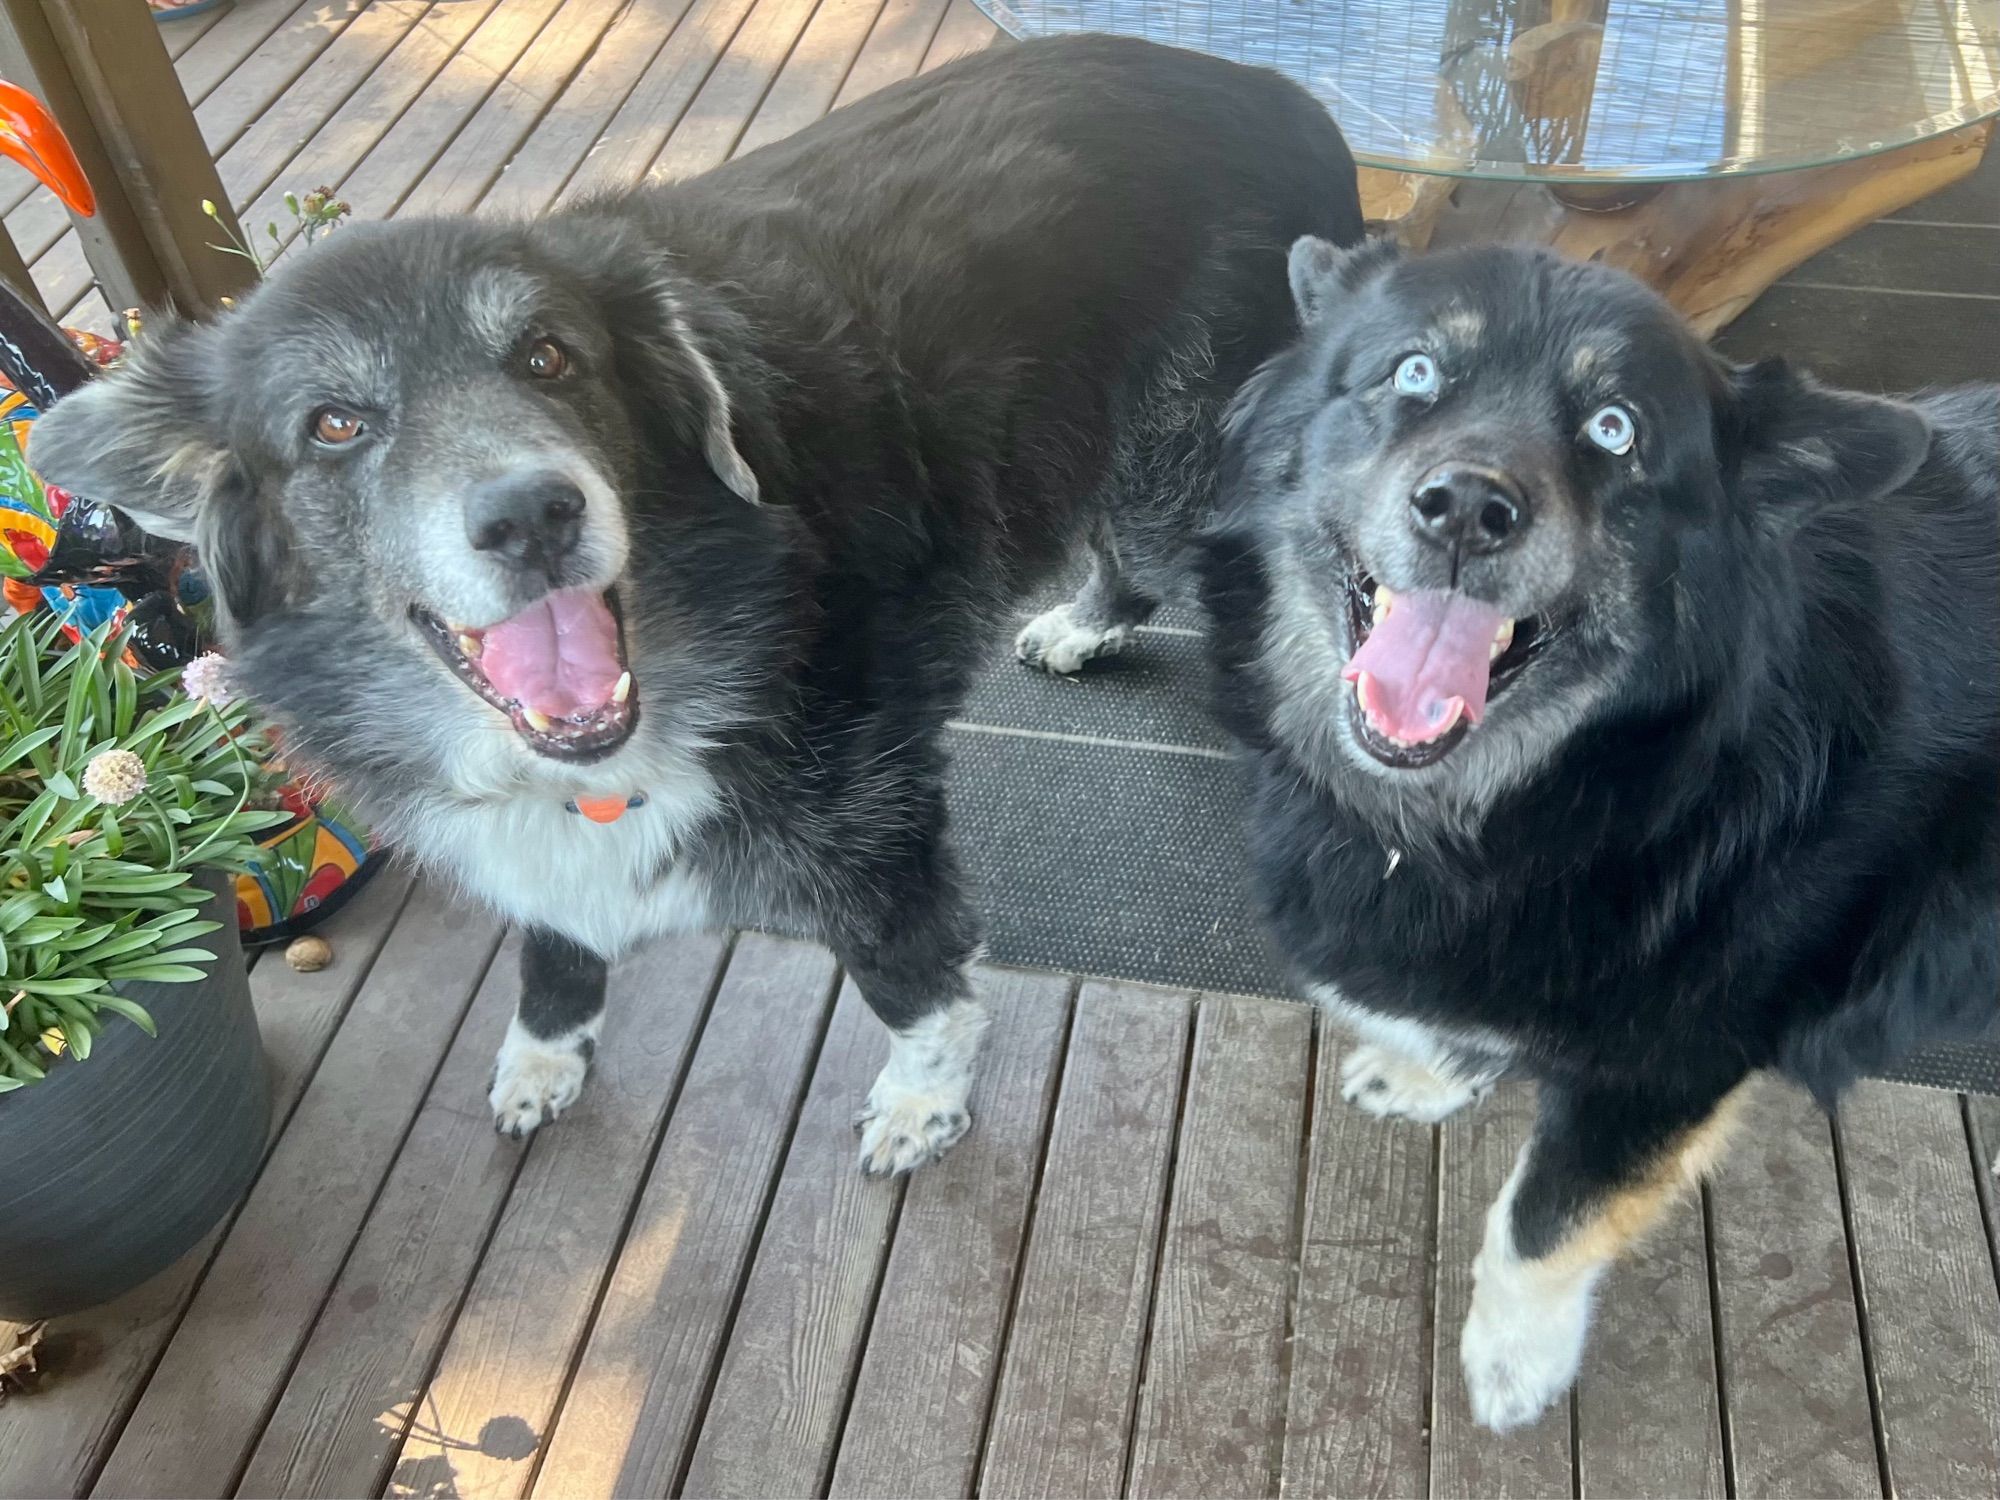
[(14, 270), (103, 72)]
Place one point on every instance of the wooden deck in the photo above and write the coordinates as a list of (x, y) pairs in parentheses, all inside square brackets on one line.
[(1168, 1260)]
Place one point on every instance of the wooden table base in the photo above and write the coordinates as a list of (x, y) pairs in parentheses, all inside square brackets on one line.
[(1710, 246)]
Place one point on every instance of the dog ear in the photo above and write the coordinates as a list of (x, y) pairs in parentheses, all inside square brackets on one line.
[(664, 338), (137, 438), (718, 416), (1795, 440), (1322, 272)]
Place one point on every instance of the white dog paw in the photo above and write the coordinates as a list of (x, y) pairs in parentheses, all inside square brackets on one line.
[(1520, 1354), (901, 1131), (1056, 642), (917, 1109), (535, 1080), (1390, 1085)]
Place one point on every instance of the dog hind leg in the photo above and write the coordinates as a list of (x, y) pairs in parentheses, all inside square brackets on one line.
[(549, 1044), (1100, 621)]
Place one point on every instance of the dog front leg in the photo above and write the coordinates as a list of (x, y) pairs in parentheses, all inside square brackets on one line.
[(910, 960), (549, 1044), (1598, 1172)]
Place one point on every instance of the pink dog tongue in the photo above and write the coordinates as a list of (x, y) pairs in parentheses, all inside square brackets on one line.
[(558, 657), (1426, 664)]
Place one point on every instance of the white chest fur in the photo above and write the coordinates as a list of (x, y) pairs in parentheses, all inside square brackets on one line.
[(607, 886)]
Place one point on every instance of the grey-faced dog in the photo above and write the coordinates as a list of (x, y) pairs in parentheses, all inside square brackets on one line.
[(626, 564)]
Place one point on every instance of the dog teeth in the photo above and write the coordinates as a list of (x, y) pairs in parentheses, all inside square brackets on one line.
[(623, 690), (537, 721), (469, 645), (1502, 639), (1385, 600)]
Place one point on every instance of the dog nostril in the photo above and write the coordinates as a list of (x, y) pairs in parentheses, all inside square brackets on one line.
[(494, 536), (566, 505), (1433, 503), (1497, 518)]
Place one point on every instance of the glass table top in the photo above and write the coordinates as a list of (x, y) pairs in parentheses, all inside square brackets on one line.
[(1593, 90)]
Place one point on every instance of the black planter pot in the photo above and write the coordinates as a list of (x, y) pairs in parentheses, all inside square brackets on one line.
[(112, 1168)]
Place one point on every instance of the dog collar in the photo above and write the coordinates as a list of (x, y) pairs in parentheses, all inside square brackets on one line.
[(605, 809)]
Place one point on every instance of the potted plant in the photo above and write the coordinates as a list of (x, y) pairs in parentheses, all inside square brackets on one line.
[(134, 1098)]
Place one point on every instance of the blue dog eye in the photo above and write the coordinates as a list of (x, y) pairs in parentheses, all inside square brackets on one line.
[(1417, 375), (1612, 429)]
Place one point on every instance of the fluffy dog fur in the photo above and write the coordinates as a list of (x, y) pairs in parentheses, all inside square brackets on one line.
[(823, 415), (1732, 806)]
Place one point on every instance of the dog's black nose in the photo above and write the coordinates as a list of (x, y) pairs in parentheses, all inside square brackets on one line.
[(1467, 508), (531, 520)]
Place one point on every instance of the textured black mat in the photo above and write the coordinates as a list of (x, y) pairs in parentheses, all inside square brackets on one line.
[(1102, 818)]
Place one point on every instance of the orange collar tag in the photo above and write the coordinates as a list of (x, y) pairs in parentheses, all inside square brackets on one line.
[(604, 809)]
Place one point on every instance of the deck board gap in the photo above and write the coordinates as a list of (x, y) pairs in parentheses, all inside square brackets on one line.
[(1726, 1434), (1301, 1226), (1985, 1186), (1433, 1255)]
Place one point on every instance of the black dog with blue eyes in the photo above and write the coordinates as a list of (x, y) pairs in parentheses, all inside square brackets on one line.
[(1621, 718)]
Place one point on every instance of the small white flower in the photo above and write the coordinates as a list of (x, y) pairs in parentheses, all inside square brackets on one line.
[(115, 777), (207, 678)]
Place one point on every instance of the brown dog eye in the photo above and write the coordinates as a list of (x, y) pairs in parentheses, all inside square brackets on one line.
[(333, 426), (546, 360)]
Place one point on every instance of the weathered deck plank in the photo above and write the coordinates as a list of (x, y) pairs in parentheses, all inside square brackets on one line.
[(813, 75), (895, 48), (468, 167), (1792, 1371), (389, 1311), (965, 29), (1927, 1284), (332, 151), (717, 115), (1211, 1418), (570, 128), (485, 1413), (96, 1363), (1647, 1421), (376, 165), (774, 1419), (1061, 1422), (927, 1376), (1358, 1407), (1476, 1151), (629, 1419), (636, 132), (257, 1305)]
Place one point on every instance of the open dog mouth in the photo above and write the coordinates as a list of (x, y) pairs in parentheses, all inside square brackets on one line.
[(557, 670), (1425, 665)]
